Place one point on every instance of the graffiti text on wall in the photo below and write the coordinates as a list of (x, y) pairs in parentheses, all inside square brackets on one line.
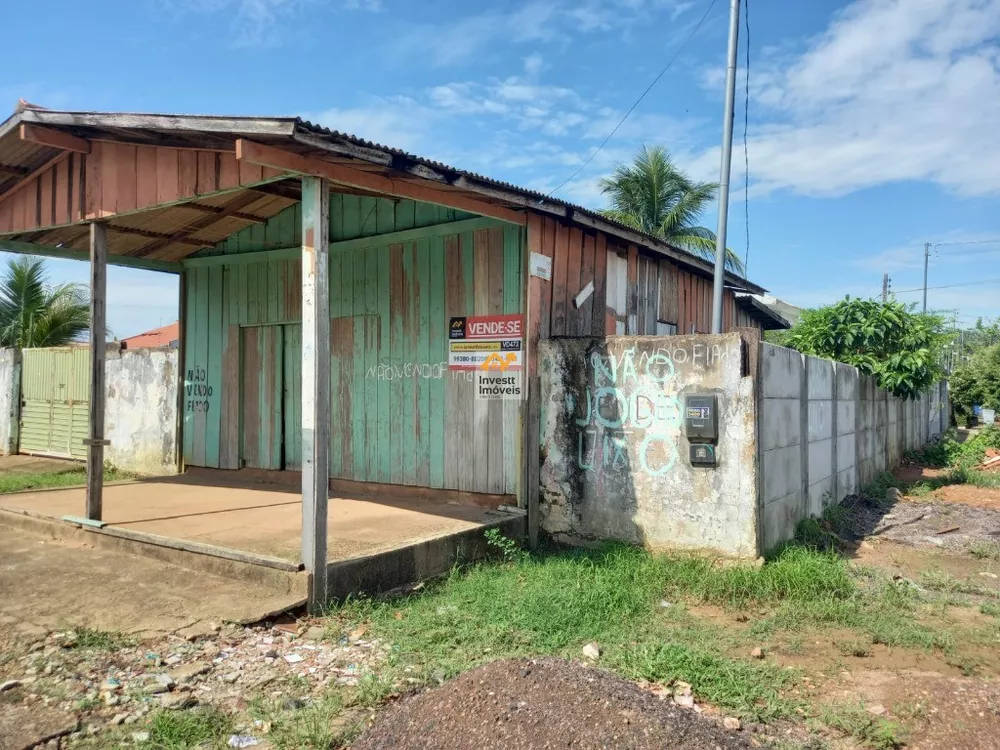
[(629, 414), (198, 391)]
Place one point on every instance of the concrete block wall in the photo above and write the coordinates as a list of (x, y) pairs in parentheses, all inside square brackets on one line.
[(781, 439), (10, 399), (825, 431)]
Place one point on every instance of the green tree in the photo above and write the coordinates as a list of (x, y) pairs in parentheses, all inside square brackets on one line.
[(888, 340), (35, 313), (976, 382), (652, 195)]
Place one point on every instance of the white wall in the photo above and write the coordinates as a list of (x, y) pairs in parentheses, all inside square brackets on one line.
[(10, 399), (140, 410), (140, 416)]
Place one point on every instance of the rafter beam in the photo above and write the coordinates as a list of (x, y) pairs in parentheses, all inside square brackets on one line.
[(70, 253), (268, 156), (152, 235), (54, 139), (218, 213), (216, 210)]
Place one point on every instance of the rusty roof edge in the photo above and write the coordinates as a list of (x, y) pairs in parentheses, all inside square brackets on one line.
[(343, 143), (277, 126), (10, 124)]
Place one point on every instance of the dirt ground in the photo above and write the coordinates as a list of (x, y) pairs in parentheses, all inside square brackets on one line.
[(546, 703), (18, 464), (47, 584)]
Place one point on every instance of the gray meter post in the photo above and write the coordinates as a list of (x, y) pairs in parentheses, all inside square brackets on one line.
[(701, 427), (701, 417)]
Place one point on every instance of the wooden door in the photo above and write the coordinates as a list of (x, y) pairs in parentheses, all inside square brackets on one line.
[(262, 397), (293, 396)]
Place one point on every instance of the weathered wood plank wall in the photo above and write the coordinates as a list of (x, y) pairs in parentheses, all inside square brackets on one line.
[(632, 291), (400, 416), (117, 178)]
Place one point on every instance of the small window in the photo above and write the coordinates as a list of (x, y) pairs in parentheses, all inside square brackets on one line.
[(666, 314)]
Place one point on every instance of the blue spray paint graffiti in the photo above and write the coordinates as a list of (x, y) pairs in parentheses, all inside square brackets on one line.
[(628, 413)]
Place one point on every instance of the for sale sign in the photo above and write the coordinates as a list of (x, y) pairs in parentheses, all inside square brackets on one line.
[(485, 342)]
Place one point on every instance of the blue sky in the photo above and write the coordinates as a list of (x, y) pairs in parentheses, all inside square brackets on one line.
[(872, 124)]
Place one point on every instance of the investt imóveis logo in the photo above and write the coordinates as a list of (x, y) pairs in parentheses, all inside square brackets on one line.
[(497, 362), (495, 382)]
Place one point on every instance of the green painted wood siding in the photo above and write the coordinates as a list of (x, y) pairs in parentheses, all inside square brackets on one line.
[(398, 414), (351, 217)]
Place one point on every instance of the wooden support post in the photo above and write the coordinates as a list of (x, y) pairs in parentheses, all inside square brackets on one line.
[(315, 383), (531, 458), (98, 328)]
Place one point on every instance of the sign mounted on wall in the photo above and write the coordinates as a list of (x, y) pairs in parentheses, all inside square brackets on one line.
[(474, 340), (540, 265)]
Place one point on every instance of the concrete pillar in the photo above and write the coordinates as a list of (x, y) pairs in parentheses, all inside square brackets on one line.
[(315, 383), (98, 333)]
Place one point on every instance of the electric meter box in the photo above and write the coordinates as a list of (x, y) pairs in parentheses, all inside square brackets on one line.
[(702, 454), (701, 417)]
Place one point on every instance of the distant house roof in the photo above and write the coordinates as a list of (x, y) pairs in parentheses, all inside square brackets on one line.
[(168, 335), (765, 311)]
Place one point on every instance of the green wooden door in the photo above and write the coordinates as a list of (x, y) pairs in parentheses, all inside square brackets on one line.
[(261, 419), (293, 396), (55, 393)]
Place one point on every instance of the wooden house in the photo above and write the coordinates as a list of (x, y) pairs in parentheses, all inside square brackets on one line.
[(319, 273)]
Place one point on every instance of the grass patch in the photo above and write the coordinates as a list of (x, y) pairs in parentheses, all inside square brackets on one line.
[(179, 730), (990, 608), (553, 604), (319, 724), (853, 719), (76, 476), (99, 640), (935, 580)]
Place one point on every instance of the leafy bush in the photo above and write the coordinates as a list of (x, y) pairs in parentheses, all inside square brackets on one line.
[(977, 382), (888, 340)]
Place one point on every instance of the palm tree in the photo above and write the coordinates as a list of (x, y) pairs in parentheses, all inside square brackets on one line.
[(34, 313), (654, 196)]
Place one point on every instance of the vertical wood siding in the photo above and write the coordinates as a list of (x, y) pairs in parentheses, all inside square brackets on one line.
[(398, 414), (351, 217), (117, 178), (627, 297)]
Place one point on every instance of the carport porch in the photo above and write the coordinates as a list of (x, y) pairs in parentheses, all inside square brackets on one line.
[(251, 530)]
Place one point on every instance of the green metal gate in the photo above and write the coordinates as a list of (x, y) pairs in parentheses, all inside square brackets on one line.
[(55, 390)]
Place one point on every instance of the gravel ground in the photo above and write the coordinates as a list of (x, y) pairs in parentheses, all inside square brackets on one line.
[(547, 703), (919, 523)]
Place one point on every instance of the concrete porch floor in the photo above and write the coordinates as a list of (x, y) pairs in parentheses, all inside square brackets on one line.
[(260, 518)]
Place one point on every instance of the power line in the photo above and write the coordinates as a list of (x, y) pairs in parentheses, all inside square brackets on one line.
[(970, 242), (746, 152), (642, 96), (950, 286)]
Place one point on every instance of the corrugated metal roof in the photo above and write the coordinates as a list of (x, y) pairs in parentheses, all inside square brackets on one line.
[(538, 196), (275, 129)]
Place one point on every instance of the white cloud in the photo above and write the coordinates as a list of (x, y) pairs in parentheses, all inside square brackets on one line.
[(400, 122), (892, 90), (258, 23), (533, 64), (551, 21)]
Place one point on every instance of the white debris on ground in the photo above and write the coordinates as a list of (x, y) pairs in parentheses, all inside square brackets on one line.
[(209, 664)]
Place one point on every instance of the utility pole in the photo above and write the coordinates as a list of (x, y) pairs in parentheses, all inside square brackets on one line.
[(927, 257), (727, 160), (885, 288)]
